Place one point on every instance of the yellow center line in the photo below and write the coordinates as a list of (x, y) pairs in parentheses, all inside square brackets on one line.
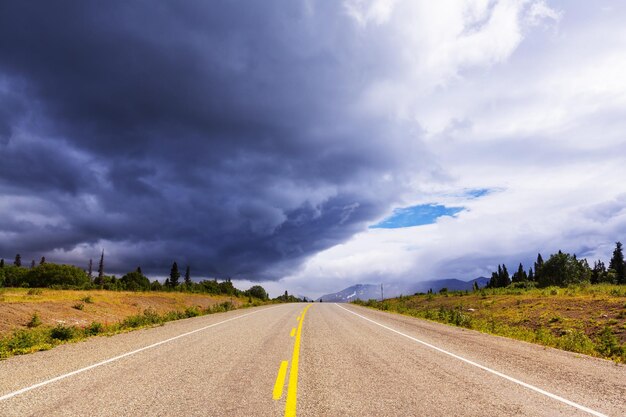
[(280, 381), (293, 332), (292, 390)]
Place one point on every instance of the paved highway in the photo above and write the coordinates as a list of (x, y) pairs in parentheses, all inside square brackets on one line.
[(309, 360)]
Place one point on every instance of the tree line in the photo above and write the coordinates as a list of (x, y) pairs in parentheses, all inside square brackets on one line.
[(51, 275), (562, 269)]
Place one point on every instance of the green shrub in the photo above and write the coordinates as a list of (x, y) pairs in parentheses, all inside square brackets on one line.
[(35, 321), (608, 345), (22, 340), (94, 329), (87, 299), (575, 341), (79, 306), (34, 291), (47, 275), (61, 332), (192, 311), (148, 317)]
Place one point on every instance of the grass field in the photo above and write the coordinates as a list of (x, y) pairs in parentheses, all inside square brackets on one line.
[(39, 319), (589, 319)]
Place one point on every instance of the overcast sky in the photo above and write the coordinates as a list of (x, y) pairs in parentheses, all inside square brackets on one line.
[(312, 145)]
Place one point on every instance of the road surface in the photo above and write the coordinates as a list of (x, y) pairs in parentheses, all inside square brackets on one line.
[(301, 359)]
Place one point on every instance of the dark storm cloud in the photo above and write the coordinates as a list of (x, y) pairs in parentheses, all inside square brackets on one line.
[(220, 134)]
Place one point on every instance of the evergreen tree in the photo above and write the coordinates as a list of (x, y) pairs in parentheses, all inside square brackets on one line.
[(520, 275), (538, 265), (563, 269), (101, 268), (475, 286), (138, 270), (18, 260), (187, 277), (90, 270), (2, 263), (494, 281), (505, 279), (617, 263), (531, 274), (174, 275), (32, 264), (43, 260), (598, 273)]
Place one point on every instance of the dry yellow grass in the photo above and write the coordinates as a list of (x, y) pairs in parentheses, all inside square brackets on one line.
[(17, 305), (588, 319)]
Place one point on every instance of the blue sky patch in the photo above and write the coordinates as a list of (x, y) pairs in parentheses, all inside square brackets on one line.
[(416, 216), (478, 192)]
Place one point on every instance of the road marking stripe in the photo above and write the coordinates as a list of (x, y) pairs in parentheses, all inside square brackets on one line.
[(293, 332), (500, 374), (292, 390), (280, 381), (116, 358)]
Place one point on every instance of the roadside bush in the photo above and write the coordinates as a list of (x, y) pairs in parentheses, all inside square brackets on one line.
[(61, 332), (608, 345), (35, 321), (576, 341), (79, 306), (87, 300), (148, 317), (23, 340), (94, 329), (192, 311)]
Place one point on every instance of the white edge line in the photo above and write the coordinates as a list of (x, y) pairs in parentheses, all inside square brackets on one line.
[(115, 358), (500, 374)]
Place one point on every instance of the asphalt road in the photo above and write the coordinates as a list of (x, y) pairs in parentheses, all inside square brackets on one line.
[(329, 360)]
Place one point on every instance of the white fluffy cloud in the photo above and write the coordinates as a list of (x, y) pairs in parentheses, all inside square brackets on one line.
[(521, 97)]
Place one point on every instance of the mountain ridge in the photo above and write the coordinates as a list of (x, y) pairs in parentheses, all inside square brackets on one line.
[(369, 291)]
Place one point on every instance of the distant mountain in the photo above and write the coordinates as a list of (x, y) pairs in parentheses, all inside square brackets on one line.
[(451, 284), (368, 291), (359, 291)]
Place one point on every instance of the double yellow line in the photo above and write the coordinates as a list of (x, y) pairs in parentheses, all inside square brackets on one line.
[(292, 390)]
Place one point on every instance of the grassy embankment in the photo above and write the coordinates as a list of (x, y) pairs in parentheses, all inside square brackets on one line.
[(588, 319), (39, 319)]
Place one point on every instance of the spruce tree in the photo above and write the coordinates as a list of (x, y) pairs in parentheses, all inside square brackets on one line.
[(531, 274), (18, 260), (617, 263), (101, 268), (187, 277), (139, 270), (2, 263), (598, 273), (505, 280), (174, 275), (538, 265), (90, 270), (493, 282), (520, 275), (32, 264), (43, 260)]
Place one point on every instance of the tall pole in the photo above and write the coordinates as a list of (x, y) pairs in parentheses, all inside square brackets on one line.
[(382, 293)]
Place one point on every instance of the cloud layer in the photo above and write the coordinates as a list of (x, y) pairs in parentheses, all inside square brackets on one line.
[(261, 140)]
